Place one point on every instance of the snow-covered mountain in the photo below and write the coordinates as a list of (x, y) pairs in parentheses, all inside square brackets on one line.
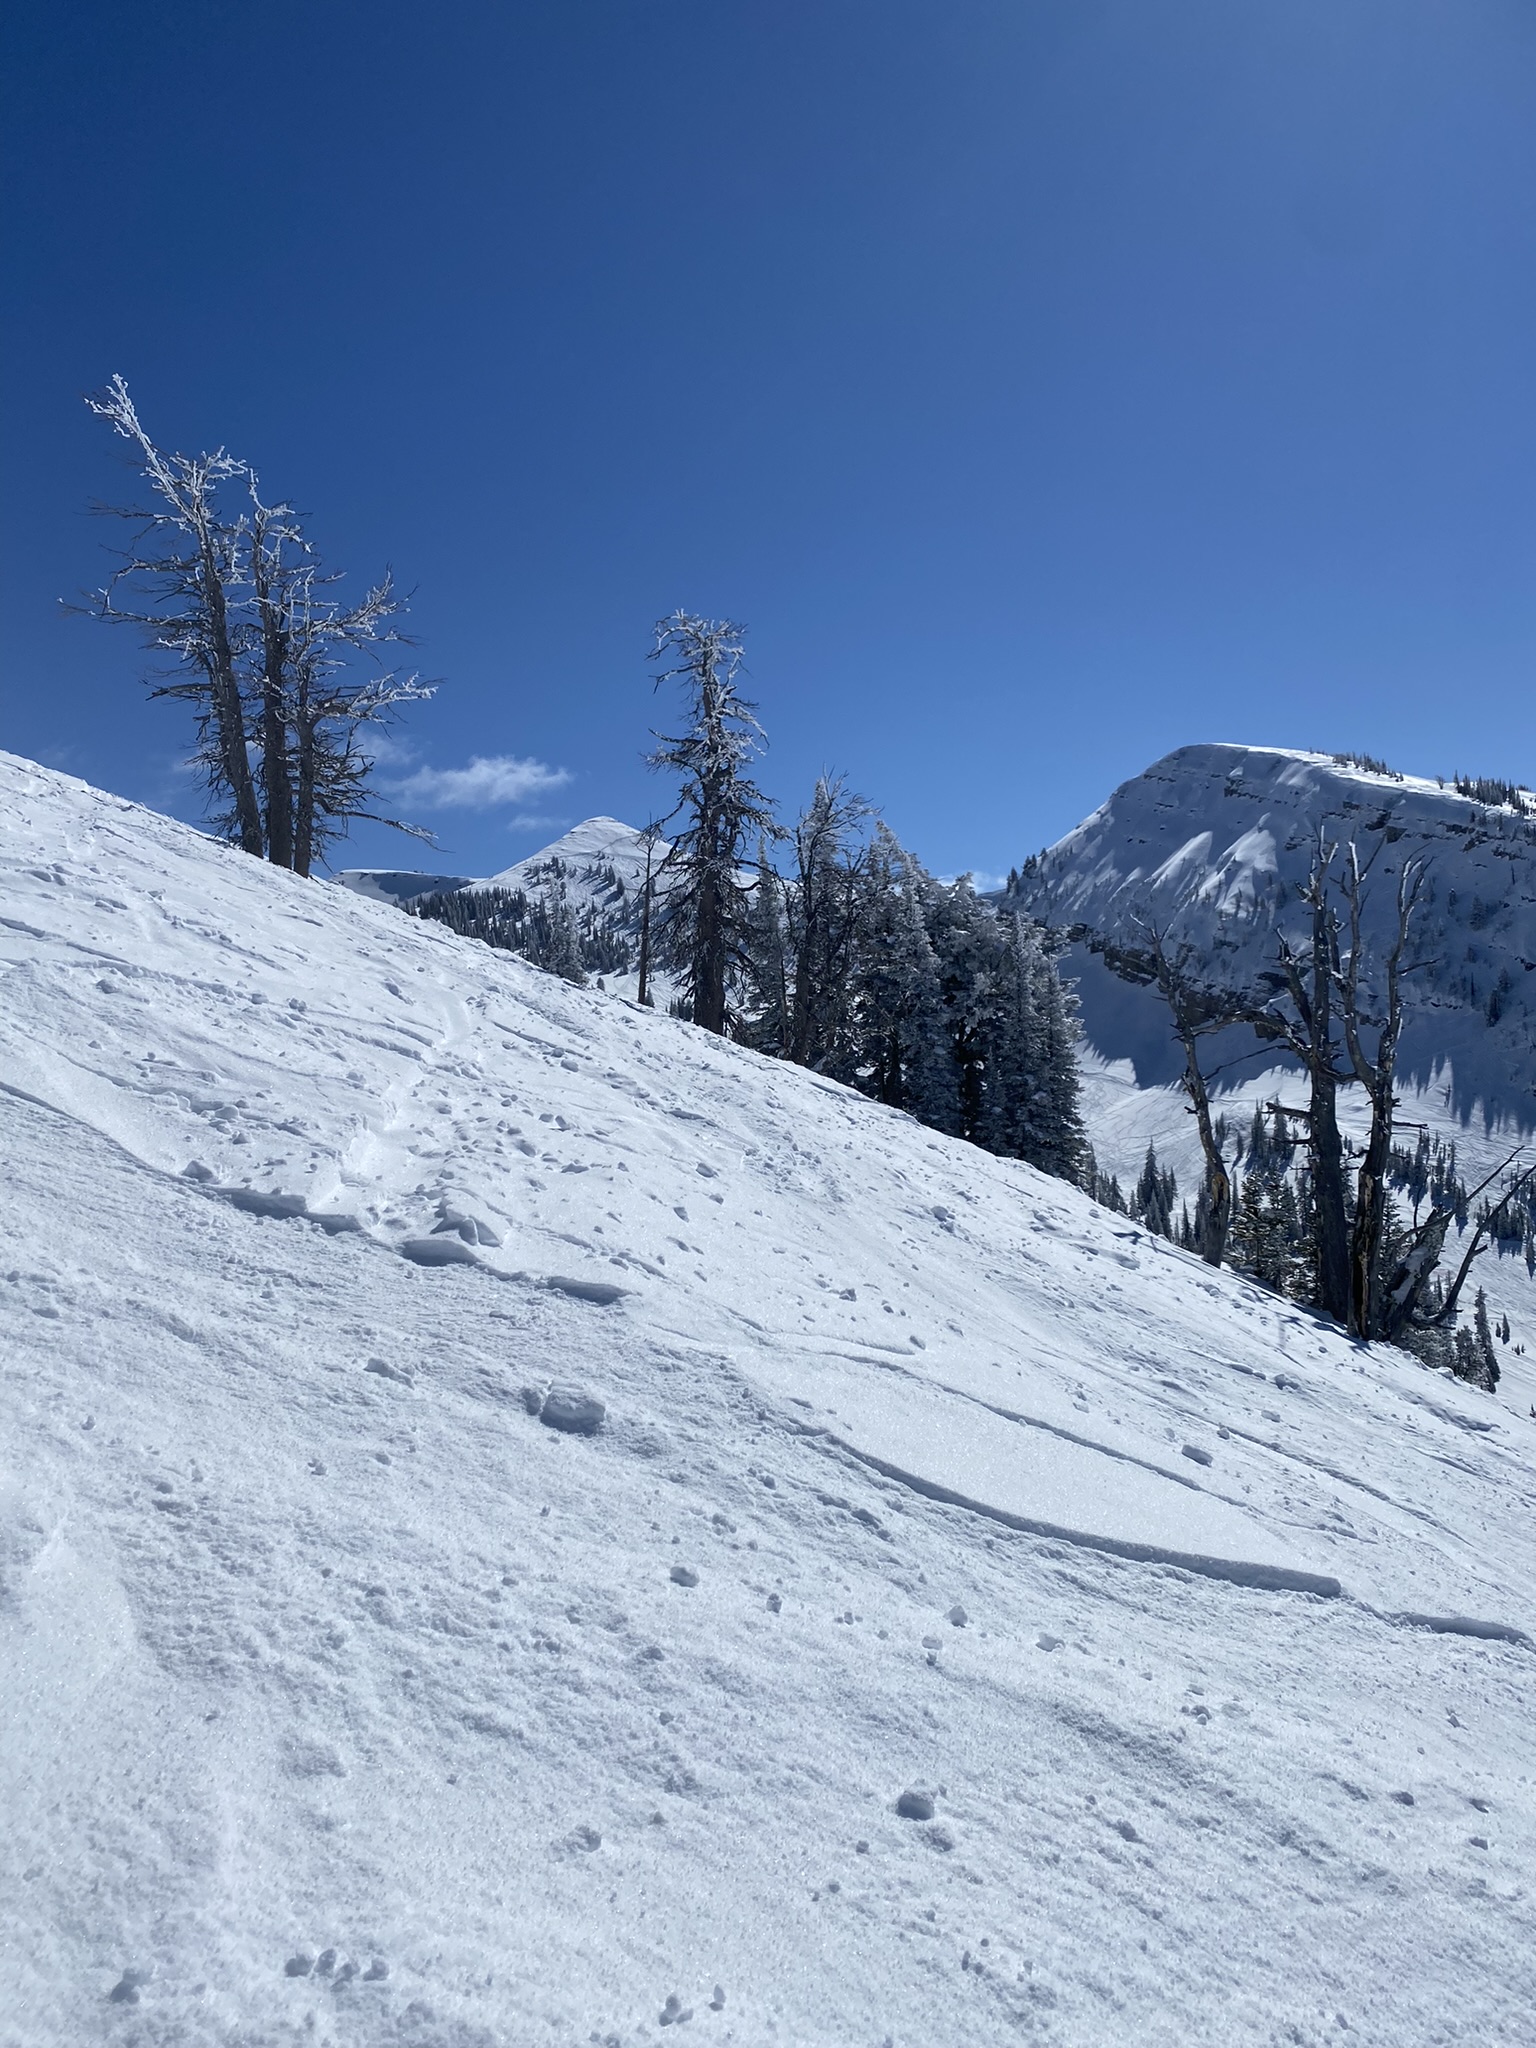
[(1211, 842), (585, 860), (971, 1619), (584, 857)]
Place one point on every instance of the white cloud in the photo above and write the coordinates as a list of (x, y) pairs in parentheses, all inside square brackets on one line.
[(488, 780), (983, 883), (388, 751), (535, 821)]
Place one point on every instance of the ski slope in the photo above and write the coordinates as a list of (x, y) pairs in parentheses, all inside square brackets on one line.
[(342, 1699)]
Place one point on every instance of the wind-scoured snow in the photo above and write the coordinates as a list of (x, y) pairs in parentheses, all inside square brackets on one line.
[(346, 1700)]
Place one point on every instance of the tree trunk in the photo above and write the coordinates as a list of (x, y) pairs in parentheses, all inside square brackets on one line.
[(1328, 1193), (1218, 1185), (304, 789), (643, 980), (228, 711), (1365, 1304), (709, 957)]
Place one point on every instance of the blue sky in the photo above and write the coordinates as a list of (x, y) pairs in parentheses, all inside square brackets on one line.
[(1045, 385)]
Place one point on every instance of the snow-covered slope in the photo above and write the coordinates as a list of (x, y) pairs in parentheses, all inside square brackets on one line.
[(1208, 1634), (397, 885)]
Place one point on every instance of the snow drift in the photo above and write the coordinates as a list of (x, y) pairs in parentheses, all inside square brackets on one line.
[(353, 1689)]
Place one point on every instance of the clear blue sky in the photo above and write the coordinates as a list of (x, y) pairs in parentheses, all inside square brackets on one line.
[(1045, 385)]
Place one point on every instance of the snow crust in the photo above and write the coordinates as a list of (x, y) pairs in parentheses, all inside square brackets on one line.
[(1208, 1634)]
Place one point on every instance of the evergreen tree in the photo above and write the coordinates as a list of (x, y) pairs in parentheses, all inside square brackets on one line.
[(723, 810), (767, 950), (1156, 1192), (822, 922)]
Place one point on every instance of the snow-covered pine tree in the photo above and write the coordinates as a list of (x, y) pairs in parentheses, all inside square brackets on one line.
[(822, 921), (1055, 1133), (767, 1027), (899, 1050), (1473, 1357), (966, 947), (1155, 1195), (723, 811)]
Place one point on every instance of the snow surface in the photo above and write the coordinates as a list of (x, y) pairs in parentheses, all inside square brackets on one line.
[(1208, 1633)]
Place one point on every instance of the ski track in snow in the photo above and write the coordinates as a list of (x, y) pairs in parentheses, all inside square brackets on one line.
[(314, 1639)]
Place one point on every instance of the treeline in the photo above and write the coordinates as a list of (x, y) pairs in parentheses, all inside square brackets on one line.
[(858, 963), (544, 929), (233, 598)]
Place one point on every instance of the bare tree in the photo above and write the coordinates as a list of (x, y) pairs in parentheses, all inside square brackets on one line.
[(1377, 1074), (648, 838), (723, 809), (183, 564), (263, 649), (1196, 1012), (1300, 1013), (1405, 1289), (329, 711), (275, 543)]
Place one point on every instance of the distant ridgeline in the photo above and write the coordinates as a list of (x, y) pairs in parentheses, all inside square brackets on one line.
[(1210, 847)]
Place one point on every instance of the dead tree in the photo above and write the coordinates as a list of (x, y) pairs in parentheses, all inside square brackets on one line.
[(1376, 1071), (1404, 1289), (263, 649), (278, 554), (184, 563), (649, 838), (1308, 978), (1196, 1011), (331, 711)]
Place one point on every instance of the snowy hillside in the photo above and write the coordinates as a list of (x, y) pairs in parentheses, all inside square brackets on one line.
[(972, 1620)]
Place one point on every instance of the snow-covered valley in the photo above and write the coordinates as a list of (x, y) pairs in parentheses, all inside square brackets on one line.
[(345, 1700)]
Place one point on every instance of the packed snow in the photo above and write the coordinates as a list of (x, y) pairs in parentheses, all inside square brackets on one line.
[(520, 1521)]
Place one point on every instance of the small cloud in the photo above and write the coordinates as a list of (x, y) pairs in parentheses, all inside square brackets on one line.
[(983, 883), (390, 752), (489, 779), (531, 822)]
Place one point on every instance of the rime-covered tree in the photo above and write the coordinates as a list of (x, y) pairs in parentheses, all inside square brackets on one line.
[(177, 585), (723, 811), (262, 646)]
